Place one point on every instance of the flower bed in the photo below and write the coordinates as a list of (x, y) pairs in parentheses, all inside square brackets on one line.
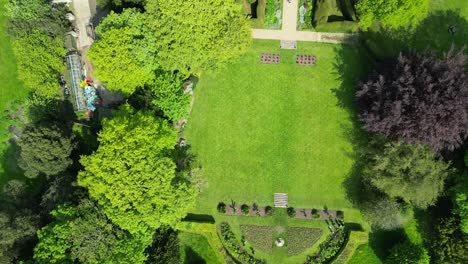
[(300, 239), (261, 237), (234, 247)]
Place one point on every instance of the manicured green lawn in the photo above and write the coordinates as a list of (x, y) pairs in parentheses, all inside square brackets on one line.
[(364, 255), (258, 129), (10, 90), (195, 249)]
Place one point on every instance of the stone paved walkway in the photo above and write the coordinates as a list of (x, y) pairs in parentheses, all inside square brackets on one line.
[(289, 32), (84, 10)]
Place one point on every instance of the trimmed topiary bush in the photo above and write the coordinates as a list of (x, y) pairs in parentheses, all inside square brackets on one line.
[(291, 212), (245, 209), (221, 208), (315, 214), (255, 209), (340, 215), (268, 210)]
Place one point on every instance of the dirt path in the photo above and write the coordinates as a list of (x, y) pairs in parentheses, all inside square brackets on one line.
[(289, 32)]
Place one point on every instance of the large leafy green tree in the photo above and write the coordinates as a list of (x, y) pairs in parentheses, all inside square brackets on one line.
[(392, 13), (37, 31), (27, 10), (410, 172), (461, 197), (132, 176), (193, 36), (44, 150), (16, 228), (461, 201), (119, 3), (169, 96), (407, 253), (385, 213), (450, 244), (125, 53), (81, 233), (418, 97), (18, 224), (28, 15), (165, 247), (39, 60)]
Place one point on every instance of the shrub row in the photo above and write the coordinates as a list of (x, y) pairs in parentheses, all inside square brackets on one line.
[(222, 209), (329, 248), (235, 247), (315, 213)]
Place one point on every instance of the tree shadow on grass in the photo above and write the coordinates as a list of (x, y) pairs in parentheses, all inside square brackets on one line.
[(351, 65), (438, 31), (192, 257), (381, 241), (8, 160), (56, 111)]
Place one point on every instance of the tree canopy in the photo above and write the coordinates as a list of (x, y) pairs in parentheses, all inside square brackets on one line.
[(135, 180), (37, 31), (391, 13), (81, 233), (449, 245), (193, 36), (120, 3), (418, 97), (18, 224), (124, 54), (29, 15), (384, 213), (406, 171), (461, 196), (461, 202), (169, 96), (407, 253), (44, 150), (15, 228), (39, 60), (165, 247)]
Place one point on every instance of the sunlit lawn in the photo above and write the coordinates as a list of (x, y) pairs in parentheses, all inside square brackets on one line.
[(195, 249), (10, 90), (364, 255), (258, 129)]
